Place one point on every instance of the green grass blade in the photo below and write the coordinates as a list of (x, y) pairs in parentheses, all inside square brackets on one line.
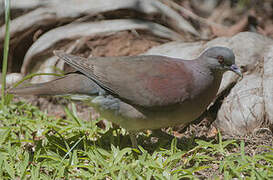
[(6, 49)]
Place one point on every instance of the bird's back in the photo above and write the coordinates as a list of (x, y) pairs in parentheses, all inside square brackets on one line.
[(147, 81)]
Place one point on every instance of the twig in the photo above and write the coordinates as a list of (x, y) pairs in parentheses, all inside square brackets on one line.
[(190, 14)]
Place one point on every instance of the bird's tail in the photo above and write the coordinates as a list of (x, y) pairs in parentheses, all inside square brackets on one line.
[(73, 83)]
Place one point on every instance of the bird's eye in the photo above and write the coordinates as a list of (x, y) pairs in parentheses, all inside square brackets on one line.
[(220, 59)]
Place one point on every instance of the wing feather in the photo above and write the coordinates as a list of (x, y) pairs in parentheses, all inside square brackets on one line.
[(142, 80)]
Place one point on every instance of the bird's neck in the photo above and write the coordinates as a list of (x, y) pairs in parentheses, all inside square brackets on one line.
[(209, 67), (206, 81)]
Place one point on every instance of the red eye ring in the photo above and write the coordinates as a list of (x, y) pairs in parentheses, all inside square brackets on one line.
[(220, 59)]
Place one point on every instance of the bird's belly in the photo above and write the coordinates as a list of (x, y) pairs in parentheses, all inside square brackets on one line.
[(155, 119)]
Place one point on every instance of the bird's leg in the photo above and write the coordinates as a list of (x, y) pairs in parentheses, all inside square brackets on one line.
[(133, 135), (107, 103), (113, 104), (160, 134)]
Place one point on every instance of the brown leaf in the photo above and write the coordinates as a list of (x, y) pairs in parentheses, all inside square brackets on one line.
[(212, 132)]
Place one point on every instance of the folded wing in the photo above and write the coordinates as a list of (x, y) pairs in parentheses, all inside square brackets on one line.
[(142, 80)]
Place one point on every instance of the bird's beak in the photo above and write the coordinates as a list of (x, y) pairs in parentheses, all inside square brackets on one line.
[(235, 69)]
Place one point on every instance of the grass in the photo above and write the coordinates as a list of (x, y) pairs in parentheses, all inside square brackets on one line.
[(36, 146), (6, 50)]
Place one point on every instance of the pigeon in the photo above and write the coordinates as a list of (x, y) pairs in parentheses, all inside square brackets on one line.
[(143, 92)]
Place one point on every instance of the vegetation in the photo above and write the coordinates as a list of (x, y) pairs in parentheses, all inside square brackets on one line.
[(34, 145)]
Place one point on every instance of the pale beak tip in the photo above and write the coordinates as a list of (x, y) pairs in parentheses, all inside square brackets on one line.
[(235, 69)]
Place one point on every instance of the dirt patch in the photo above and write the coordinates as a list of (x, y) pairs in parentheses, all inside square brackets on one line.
[(126, 43)]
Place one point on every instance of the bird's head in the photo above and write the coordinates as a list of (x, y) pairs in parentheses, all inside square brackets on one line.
[(221, 59)]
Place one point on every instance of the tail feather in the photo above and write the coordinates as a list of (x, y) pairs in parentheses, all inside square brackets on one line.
[(73, 83)]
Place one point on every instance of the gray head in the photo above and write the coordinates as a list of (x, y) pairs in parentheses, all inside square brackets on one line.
[(220, 59)]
